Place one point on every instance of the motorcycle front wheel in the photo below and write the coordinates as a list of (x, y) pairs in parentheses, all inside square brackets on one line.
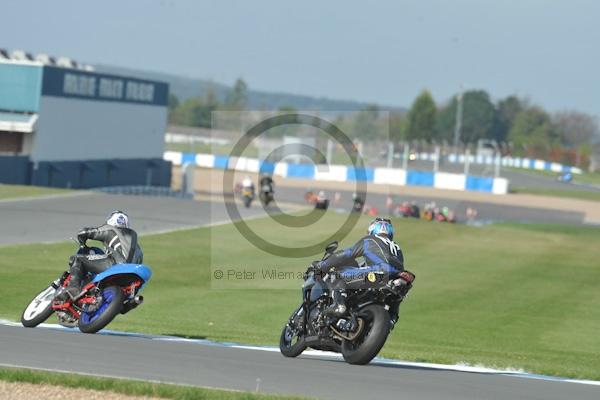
[(39, 309), (291, 343), (376, 328)]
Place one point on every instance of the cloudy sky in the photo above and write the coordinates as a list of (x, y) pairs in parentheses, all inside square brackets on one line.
[(384, 52)]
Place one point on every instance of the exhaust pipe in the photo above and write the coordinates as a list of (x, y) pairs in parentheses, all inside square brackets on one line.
[(131, 304)]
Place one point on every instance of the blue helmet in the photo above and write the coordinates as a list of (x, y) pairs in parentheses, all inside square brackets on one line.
[(381, 226)]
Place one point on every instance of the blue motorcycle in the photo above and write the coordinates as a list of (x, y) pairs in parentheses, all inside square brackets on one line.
[(103, 296)]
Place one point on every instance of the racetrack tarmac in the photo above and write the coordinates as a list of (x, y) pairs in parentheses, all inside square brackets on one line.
[(57, 218), (193, 363), (486, 211)]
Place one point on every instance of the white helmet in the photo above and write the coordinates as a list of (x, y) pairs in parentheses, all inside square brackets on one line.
[(118, 219)]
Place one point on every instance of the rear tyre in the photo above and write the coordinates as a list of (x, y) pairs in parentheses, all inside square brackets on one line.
[(291, 343), (39, 309), (377, 327), (111, 306)]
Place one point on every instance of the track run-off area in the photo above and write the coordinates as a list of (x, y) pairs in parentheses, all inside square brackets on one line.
[(255, 368)]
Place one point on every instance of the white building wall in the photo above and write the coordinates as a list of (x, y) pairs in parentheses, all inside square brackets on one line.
[(78, 129)]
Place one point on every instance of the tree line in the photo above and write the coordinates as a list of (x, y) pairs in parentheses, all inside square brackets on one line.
[(516, 125)]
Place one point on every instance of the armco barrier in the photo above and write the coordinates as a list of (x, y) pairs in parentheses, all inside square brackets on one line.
[(343, 173), (517, 162), (100, 173)]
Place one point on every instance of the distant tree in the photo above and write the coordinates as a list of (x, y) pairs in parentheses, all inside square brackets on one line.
[(532, 133), (575, 128), (478, 118), (284, 130), (237, 97), (196, 111), (287, 109), (507, 111), (398, 124), (365, 124), (421, 119), (173, 102)]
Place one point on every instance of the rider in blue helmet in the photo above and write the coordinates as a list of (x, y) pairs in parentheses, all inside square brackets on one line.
[(383, 261)]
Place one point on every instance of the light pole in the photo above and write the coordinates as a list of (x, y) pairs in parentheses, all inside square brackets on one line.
[(458, 123)]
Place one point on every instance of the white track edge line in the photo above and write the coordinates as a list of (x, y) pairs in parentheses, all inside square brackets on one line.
[(330, 355)]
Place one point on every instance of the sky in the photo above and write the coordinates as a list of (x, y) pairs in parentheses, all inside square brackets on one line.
[(384, 52)]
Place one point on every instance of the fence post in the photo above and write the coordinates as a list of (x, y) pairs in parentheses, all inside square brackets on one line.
[(390, 156), (405, 157), (436, 159)]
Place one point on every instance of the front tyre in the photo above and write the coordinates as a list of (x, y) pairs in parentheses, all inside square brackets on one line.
[(112, 302), (375, 332), (39, 309), (291, 343)]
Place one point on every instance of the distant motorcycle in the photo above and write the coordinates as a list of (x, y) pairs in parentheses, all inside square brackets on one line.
[(373, 312), (247, 196), (102, 298), (266, 195), (566, 177)]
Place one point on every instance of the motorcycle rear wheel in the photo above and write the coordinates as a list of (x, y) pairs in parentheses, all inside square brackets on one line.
[(110, 308), (377, 327)]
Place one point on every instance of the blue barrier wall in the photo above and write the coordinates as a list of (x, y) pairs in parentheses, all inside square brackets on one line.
[(221, 162), (101, 173), (188, 158), (267, 167), (14, 170), (301, 171), (360, 174), (419, 178)]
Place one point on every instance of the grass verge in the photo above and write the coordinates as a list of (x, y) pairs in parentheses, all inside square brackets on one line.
[(129, 387), (16, 191), (567, 193), (506, 296)]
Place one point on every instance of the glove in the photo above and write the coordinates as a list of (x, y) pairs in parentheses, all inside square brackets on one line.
[(317, 266), (82, 236)]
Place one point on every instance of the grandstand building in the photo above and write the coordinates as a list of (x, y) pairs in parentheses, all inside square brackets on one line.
[(64, 125)]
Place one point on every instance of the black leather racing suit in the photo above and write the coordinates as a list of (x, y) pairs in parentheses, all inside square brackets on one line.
[(121, 247), (383, 261)]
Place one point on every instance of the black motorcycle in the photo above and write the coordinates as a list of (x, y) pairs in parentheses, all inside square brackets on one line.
[(360, 335), (266, 194)]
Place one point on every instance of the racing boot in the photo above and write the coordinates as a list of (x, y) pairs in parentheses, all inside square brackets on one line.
[(338, 308), (68, 293), (73, 289)]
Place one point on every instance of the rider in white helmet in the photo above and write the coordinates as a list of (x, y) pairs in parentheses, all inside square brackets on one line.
[(120, 243)]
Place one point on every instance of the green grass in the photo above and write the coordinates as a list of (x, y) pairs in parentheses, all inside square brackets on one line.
[(206, 148), (16, 191), (566, 193), (129, 387), (508, 296)]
